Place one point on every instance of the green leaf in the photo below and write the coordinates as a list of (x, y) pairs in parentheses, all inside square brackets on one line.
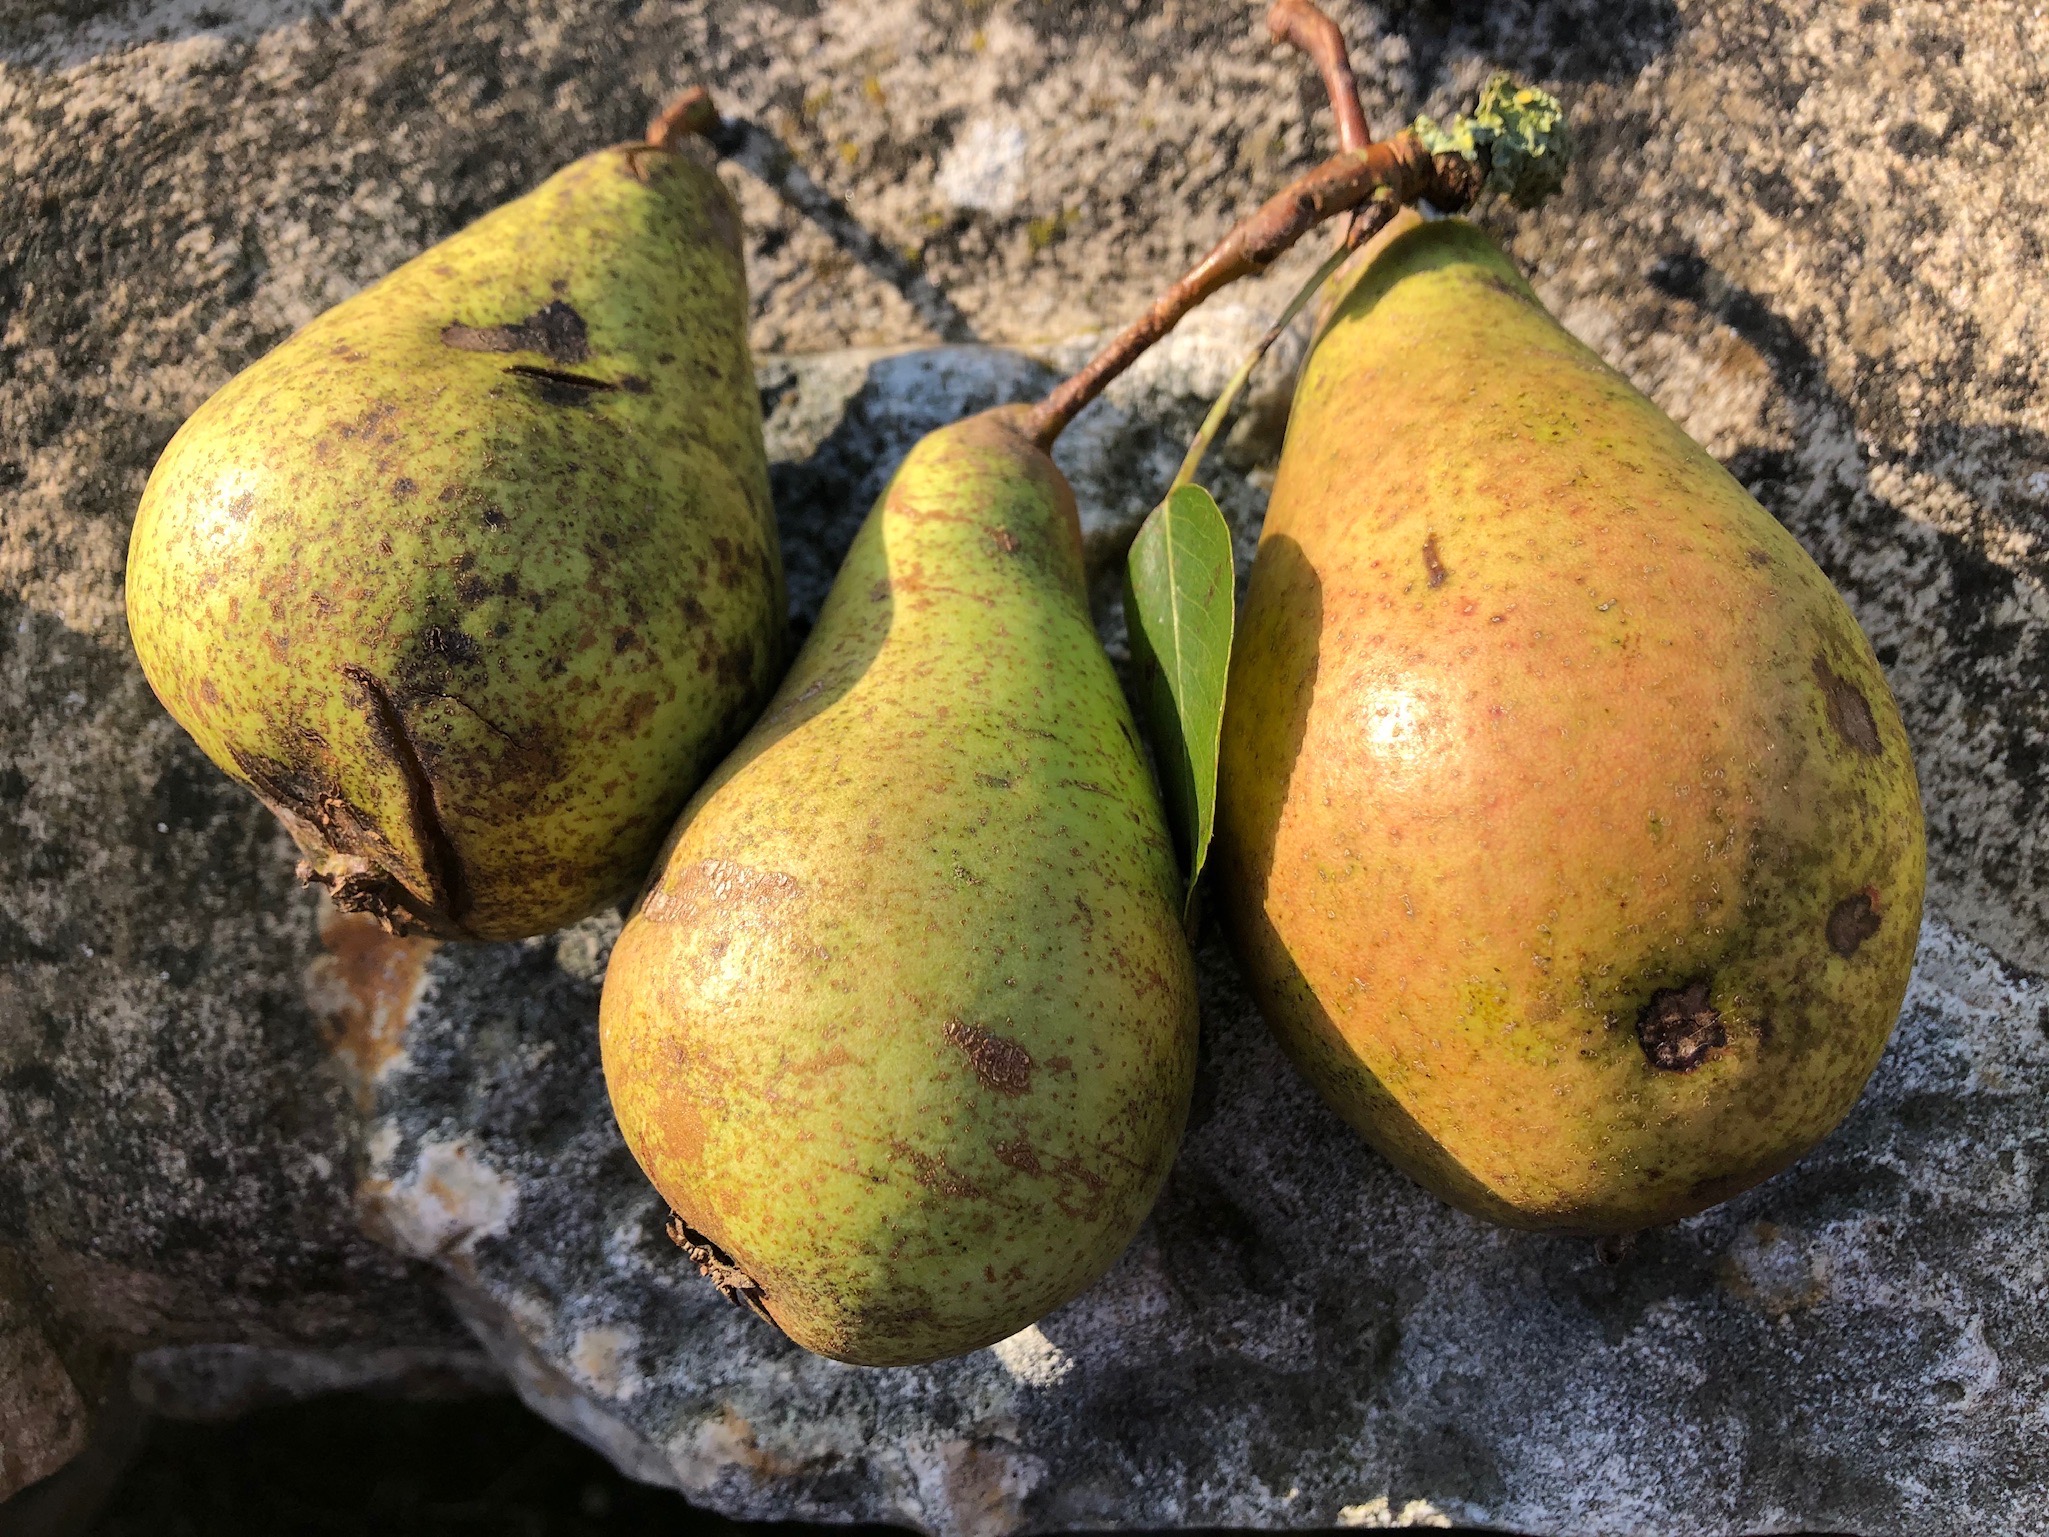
[(1179, 590)]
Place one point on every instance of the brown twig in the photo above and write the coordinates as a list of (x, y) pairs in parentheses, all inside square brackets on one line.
[(1394, 172), (1301, 24), (692, 112)]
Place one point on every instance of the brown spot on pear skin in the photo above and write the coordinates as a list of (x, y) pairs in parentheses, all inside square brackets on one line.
[(1852, 921), (1018, 1155), (1678, 1030), (555, 331), (1848, 710), (557, 388), (1002, 1066), (1433, 562), (935, 1174)]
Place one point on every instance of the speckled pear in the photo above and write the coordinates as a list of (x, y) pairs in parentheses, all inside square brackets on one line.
[(903, 1027), (1567, 828), (475, 577)]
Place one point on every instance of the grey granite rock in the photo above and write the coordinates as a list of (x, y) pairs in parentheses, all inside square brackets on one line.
[(222, 1382), (1299, 1336), (1814, 232)]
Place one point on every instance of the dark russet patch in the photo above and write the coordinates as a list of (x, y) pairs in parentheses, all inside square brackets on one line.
[(935, 1174), (1002, 1066), (735, 663), (447, 879), (1852, 921), (717, 1267), (303, 793), (1433, 562), (1678, 1030), (555, 331), (449, 643), (1848, 710), (1019, 1155)]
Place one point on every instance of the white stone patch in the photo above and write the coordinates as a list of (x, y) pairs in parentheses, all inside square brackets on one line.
[(585, 949), (1033, 1359), (449, 1201), (964, 1488), (381, 1146), (1380, 1512), (985, 169), (606, 1360), (126, 35), (1970, 1365)]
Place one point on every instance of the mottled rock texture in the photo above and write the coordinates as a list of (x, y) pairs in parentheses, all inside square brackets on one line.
[(1813, 231)]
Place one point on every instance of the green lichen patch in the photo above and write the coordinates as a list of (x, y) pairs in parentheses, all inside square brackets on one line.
[(1519, 130)]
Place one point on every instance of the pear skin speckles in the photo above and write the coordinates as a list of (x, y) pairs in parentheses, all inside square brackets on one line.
[(904, 1023), (474, 578)]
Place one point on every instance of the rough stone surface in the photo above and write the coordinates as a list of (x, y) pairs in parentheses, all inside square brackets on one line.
[(1815, 232), (1299, 1336)]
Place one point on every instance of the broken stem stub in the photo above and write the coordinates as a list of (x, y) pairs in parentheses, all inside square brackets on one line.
[(690, 112)]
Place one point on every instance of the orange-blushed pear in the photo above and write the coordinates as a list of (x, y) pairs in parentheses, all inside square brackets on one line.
[(1566, 826)]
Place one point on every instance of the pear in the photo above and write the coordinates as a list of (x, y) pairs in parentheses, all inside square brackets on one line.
[(903, 1026), (1567, 829), (475, 577)]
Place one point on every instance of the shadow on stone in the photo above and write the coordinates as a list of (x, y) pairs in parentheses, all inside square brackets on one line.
[(1973, 653), (750, 145), (1582, 42), (836, 436)]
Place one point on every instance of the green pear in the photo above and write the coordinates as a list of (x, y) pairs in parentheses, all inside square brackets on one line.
[(475, 577), (903, 1026), (1567, 829)]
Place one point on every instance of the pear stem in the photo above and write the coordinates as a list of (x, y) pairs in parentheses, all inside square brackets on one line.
[(691, 112), (1302, 24), (1212, 423), (1397, 171)]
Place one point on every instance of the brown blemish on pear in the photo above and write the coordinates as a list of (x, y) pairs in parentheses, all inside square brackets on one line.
[(1678, 1030)]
